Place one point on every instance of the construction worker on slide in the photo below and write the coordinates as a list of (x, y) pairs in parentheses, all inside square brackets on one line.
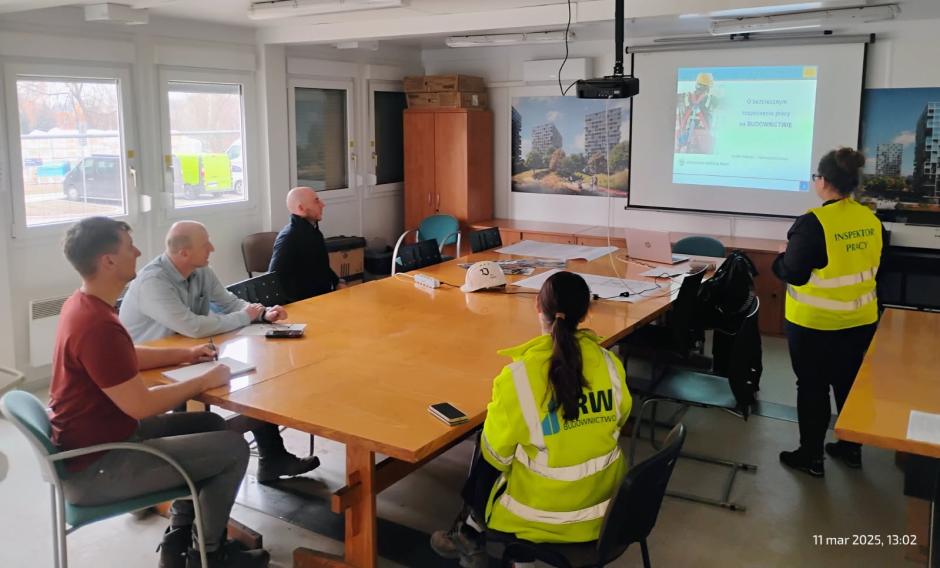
[(694, 117)]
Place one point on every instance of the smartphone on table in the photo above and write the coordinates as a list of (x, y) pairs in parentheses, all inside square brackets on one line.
[(284, 333), (447, 413)]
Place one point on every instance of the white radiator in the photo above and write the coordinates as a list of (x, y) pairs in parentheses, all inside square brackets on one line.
[(43, 319)]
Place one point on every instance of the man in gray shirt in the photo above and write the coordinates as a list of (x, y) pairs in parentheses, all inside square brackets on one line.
[(177, 292)]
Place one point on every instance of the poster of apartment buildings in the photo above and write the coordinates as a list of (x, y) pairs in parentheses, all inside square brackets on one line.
[(901, 141), (570, 146)]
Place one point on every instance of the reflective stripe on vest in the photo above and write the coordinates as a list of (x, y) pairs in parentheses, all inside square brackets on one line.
[(571, 472), (840, 281), (834, 305), (489, 448), (539, 465), (553, 517)]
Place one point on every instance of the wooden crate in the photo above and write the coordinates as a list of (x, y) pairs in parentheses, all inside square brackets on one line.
[(448, 100), (454, 83), (414, 84)]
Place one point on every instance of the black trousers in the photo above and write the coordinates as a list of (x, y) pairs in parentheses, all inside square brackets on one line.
[(479, 484), (824, 360)]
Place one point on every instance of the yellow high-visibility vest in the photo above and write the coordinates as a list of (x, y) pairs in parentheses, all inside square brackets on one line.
[(841, 294), (558, 476)]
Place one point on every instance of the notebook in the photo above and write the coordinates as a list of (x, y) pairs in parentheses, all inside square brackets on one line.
[(192, 371)]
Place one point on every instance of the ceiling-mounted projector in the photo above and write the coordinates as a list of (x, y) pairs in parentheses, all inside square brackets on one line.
[(618, 85)]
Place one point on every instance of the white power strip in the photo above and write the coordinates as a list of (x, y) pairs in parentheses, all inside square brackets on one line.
[(427, 281)]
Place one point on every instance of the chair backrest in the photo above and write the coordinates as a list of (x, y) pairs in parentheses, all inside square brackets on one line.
[(442, 228), (633, 510), (265, 289), (418, 255), (683, 313), (699, 246), (485, 239), (257, 249), (29, 416)]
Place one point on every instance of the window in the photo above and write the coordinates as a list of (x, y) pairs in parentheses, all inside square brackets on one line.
[(389, 136), (71, 148), (321, 135), (206, 139)]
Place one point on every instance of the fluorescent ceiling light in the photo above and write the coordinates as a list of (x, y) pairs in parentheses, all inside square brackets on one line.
[(508, 39), (274, 9), (805, 20), (117, 13)]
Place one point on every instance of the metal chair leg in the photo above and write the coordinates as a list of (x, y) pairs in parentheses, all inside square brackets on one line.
[(311, 444), (53, 501), (60, 529), (200, 536), (646, 553)]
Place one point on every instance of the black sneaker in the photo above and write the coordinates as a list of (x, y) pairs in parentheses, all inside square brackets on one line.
[(798, 460), (287, 465), (229, 557), (174, 545), (850, 454)]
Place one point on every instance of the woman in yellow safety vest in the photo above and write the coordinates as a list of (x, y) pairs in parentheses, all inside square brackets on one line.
[(830, 263), (548, 460)]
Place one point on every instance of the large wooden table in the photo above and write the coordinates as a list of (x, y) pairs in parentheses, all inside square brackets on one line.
[(375, 356), (900, 373)]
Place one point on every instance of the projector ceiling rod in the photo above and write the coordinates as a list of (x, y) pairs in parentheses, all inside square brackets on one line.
[(618, 38)]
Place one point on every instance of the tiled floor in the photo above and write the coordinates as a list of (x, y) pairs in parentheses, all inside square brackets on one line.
[(785, 509)]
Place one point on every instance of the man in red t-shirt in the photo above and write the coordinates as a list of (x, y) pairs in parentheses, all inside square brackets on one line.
[(97, 396)]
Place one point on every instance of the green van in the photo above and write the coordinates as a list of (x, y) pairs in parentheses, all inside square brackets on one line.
[(199, 174)]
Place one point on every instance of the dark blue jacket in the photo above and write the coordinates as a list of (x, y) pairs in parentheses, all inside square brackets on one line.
[(301, 261)]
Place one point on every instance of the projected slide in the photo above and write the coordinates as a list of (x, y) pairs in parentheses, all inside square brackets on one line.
[(746, 127)]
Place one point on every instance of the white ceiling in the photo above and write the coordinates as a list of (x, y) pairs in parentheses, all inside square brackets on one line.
[(681, 22)]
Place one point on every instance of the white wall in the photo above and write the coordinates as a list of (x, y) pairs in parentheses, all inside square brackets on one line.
[(899, 58), (33, 267)]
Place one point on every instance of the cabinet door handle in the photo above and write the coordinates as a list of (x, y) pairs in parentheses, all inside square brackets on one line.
[(438, 206), (429, 199)]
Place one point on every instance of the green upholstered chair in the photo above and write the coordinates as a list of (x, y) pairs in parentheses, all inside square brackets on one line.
[(29, 416)]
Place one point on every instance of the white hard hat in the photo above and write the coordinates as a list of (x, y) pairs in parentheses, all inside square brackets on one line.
[(482, 275)]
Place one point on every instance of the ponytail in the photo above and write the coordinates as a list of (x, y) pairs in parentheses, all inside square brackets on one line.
[(563, 300)]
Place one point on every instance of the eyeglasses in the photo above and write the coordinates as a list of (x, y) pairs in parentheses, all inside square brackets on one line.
[(816, 176)]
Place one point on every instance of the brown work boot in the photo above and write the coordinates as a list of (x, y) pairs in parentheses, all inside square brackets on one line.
[(172, 548), (461, 541)]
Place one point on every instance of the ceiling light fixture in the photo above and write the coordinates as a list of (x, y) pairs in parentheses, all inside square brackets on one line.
[(508, 39), (805, 20), (116, 13), (275, 9)]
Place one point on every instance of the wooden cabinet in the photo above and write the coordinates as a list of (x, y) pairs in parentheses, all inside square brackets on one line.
[(770, 290), (448, 164)]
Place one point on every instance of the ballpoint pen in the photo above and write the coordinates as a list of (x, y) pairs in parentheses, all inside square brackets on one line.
[(215, 349)]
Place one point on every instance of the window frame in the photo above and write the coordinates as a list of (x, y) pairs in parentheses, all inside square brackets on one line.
[(250, 133), (350, 192), (128, 139), (381, 85)]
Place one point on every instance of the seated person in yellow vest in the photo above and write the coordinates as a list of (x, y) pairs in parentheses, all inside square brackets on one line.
[(177, 292), (830, 265), (300, 258), (548, 460), (97, 396)]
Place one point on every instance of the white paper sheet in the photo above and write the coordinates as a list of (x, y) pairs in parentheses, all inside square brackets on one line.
[(263, 328), (607, 287), (555, 251), (924, 427), (190, 372)]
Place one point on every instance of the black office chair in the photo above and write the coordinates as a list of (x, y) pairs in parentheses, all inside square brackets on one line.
[(630, 517), (485, 239), (257, 250), (414, 256), (265, 289), (690, 387), (672, 342)]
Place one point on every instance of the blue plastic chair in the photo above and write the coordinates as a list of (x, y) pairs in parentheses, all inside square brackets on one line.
[(9, 379), (29, 416), (445, 229), (700, 246)]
